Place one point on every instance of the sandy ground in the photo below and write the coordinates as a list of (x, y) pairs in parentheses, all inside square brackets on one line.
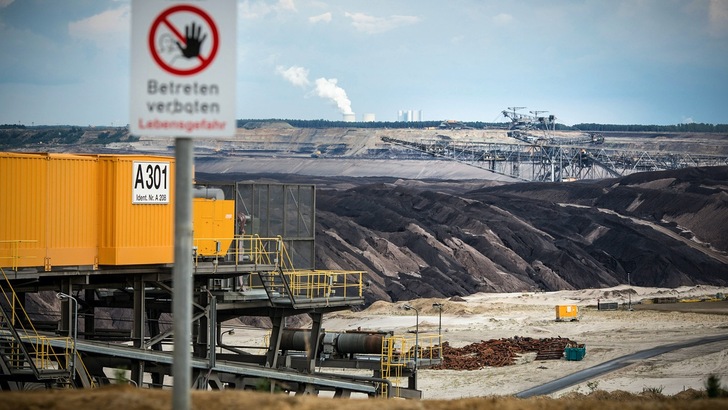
[(606, 334)]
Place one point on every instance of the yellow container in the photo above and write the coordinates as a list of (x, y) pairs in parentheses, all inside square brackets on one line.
[(137, 210), (213, 225), (48, 210), (567, 312), (85, 210)]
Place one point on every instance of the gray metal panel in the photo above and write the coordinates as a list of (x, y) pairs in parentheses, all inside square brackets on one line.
[(286, 210)]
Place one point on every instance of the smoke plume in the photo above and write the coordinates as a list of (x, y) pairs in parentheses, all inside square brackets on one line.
[(326, 88)]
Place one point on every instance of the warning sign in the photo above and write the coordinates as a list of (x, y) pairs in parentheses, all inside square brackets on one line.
[(150, 183), (183, 68), (167, 41)]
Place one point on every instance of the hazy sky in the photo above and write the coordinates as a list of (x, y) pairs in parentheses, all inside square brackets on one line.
[(605, 61)]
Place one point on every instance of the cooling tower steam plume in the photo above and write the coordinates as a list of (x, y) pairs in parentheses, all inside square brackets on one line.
[(327, 88)]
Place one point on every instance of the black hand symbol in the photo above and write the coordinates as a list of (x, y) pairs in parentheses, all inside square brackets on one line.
[(193, 41)]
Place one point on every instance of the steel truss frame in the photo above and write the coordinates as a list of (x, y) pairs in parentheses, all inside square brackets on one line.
[(555, 163)]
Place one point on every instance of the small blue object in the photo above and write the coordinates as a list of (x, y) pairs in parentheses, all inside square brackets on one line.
[(575, 353)]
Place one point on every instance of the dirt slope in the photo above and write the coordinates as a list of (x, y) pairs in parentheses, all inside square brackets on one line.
[(664, 228)]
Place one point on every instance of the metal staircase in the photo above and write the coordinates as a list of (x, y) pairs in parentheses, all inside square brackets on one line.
[(277, 288), (290, 287), (27, 357), (274, 280)]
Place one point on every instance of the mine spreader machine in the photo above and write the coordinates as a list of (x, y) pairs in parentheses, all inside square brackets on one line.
[(86, 256)]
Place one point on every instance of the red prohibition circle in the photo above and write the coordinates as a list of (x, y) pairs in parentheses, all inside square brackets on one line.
[(162, 19)]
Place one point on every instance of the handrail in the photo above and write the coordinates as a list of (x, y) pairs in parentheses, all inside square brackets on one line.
[(14, 251), (287, 261), (44, 354), (301, 284), (430, 347), (398, 352)]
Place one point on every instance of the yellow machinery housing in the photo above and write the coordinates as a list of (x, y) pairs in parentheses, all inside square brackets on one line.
[(214, 225), (567, 312), (86, 210), (133, 233), (48, 209)]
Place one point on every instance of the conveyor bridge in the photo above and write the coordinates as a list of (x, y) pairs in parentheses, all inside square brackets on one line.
[(554, 162)]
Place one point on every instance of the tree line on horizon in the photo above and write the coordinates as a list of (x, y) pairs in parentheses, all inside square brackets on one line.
[(688, 127), (594, 127)]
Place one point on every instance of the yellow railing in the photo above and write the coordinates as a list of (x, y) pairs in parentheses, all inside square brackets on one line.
[(256, 250), (302, 283), (14, 253), (430, 347), (399, 352), (396, 354), (318, 284), (245, 249), (44, 356)]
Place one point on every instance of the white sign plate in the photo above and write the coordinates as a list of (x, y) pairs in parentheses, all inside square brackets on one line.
[(183, 58), (150, 183)]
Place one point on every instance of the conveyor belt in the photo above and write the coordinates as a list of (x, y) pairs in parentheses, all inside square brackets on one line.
[(132, 353)]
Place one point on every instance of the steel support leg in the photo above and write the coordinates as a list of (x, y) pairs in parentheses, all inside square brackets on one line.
[(316, 319), (138, 329), (275, 341), (154, 330), (89, 320), (66, 308)]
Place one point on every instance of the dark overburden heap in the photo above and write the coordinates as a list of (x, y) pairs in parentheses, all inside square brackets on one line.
[(666, 229), (454, 238)]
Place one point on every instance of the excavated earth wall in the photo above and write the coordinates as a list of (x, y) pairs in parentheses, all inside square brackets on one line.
[(425, 227), (419, 242)]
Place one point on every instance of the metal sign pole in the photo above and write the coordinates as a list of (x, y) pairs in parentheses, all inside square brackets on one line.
[(168, 85), (182, 275)]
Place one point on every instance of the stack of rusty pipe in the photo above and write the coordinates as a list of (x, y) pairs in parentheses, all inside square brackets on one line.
[(500, 352)]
